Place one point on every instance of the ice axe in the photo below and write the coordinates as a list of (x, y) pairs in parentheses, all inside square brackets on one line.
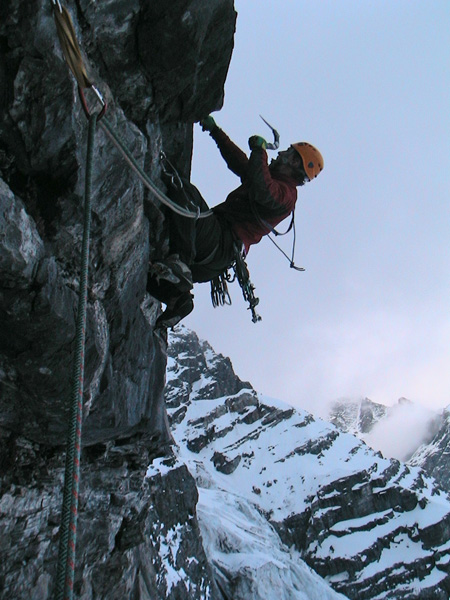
[(276, 136)]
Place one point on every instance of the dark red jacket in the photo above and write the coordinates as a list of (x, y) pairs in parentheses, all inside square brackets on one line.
[(263, 195)]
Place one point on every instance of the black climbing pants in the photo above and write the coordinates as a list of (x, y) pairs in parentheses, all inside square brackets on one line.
[(206, 245)]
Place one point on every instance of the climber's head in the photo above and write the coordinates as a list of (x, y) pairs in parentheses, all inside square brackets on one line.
[(301, 161), (311, 158)]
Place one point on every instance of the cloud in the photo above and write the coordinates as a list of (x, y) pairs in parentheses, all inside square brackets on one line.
[(405, 428)]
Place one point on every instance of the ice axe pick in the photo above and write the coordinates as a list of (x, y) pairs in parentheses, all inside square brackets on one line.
[(276, 136)]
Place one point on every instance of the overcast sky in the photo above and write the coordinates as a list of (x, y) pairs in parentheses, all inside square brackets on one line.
[(368, 83)]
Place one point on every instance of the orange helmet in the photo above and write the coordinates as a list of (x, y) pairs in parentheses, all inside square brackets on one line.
[(311, 157)]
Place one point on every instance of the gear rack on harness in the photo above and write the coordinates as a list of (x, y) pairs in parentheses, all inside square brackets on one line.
[(219, 285), (220, 295)]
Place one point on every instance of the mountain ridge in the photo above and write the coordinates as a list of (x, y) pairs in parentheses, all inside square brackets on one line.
[(397, 430), (369, 526)]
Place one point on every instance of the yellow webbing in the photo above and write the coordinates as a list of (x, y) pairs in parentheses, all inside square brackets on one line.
[(70, 47)]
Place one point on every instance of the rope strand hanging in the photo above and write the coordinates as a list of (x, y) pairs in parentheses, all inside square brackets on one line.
[(65, 576), (68, 530)]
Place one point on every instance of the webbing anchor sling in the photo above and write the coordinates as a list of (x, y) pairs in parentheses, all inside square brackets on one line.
[(72, 54)]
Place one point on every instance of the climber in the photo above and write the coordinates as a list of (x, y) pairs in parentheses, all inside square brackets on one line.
[(204, 248)]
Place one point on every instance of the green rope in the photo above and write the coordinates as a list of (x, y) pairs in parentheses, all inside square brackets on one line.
[(68, 530)]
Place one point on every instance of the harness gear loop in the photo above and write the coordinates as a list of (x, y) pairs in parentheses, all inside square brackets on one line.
[(68, 530), (220, 295)]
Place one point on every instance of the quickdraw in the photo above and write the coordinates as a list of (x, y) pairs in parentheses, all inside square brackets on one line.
[(220, 295)]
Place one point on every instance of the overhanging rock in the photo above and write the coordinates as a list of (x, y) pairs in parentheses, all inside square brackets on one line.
[(133, 50)]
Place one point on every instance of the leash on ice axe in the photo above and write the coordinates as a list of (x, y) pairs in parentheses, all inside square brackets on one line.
[(275, 146)]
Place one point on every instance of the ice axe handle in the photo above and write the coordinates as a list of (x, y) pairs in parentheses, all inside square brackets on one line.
[(276, 136)]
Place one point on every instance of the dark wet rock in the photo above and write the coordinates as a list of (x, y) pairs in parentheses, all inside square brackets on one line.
[(180, 51), (224, 465), (134, 532), (43, 145), (132, 51)]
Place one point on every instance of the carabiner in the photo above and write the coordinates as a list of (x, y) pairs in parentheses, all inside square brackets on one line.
[(57, 4), (84, 102)]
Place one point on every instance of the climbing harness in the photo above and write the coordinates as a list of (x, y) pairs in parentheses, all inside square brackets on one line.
[(68, 529), (220, 295), (219, 285)]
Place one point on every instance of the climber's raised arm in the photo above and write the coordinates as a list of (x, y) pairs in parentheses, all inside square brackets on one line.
[(236, 159)]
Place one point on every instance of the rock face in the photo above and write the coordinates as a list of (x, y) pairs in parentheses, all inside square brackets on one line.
[(357, 417), (138, 536), (433, 456), (160, 68), (371, 527), (42, 141)]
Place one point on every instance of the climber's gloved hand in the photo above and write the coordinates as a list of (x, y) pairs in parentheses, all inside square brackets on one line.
[(256, 141), (208, 123)]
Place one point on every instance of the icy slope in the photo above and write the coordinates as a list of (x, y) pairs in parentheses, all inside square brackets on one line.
[(371, 527)]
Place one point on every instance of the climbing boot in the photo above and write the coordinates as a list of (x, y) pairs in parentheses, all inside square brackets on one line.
[(168, 278), (173, 270), (176, 310)]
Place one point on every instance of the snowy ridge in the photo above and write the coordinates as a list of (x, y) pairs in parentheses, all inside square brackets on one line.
[(271, 478), (433, 456), (356, 417), (397, 431)]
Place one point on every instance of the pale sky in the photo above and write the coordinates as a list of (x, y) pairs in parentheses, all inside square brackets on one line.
[(368, 83)]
